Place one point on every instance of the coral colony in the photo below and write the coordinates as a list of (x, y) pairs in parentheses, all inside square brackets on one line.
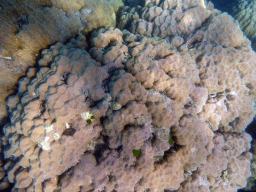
[(159, 104)]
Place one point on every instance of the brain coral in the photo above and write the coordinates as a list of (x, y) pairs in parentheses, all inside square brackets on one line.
[(76, 120)]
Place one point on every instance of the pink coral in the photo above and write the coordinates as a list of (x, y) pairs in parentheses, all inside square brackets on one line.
[(75, 123)]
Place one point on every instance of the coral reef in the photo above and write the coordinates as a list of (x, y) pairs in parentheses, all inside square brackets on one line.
[(30, 26), (244, 12), (160, 105)]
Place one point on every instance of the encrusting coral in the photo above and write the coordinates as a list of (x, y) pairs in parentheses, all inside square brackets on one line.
[(103, 120)]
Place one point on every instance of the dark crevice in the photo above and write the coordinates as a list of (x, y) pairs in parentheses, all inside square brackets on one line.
[(251, 128), (68, 174), (98, 152), (22, 20), (119, 149), (134, 3), (69, 131)]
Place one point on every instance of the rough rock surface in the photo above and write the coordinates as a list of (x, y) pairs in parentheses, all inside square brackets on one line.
[(135, 112)]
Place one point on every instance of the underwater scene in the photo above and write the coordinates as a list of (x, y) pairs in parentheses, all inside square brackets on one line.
[(127, 95)]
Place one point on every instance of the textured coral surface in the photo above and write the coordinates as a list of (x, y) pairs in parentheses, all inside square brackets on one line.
[(29, 26), (244, 11), (159, 104)]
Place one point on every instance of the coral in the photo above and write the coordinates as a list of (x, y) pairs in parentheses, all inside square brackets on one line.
[(31, 26), (136, 112), (54, 130), (244, 12)]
